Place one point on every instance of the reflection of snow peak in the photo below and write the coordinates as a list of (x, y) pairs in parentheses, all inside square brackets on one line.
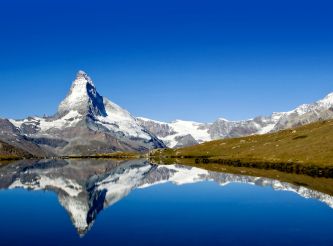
[(78, 210), (84, 189), (180, 175), (119, 185)]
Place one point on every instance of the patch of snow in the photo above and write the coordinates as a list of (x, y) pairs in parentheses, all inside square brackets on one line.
[(68, 120), (16, 123), (267, 128), (183, 128), (327, 101)]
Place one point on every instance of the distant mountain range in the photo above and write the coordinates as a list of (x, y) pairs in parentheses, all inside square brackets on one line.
[(87, 123), (181, 133)]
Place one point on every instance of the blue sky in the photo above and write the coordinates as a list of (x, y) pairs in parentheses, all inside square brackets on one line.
[(193, 60)]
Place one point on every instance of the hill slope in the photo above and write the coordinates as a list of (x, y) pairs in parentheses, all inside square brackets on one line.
[(309, 145), (8, 152)]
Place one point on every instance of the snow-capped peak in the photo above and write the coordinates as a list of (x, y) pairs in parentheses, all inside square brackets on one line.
[(223, 119), (327, 101), (82, 97), (323, 104), (82, 77)]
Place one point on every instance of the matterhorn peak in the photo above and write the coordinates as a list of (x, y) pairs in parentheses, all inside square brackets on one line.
[(81, 73), (82, 97), (82, 77)]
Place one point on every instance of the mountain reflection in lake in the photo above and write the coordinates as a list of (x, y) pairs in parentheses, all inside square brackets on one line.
[(86, 187)]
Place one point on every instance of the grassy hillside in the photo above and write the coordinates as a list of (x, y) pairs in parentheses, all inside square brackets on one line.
[(306, 147), (9, 152)]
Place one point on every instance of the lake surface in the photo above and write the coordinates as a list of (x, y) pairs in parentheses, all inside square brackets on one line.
[(99, 202)]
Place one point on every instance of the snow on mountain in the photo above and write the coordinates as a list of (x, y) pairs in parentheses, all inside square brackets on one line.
[(69, 119), (179, 131), (82, 97), (87, 123), (184, 133), (118, 119)]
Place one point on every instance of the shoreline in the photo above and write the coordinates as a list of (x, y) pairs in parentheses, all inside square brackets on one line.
[(309, 169), (102, 156)]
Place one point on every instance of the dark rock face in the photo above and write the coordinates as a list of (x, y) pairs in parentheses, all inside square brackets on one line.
[(14, 143), (161, 130), (187, 140), (52, 142), (10, 150)]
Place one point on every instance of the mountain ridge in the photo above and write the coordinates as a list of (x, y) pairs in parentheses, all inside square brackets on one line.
[(88, 123)]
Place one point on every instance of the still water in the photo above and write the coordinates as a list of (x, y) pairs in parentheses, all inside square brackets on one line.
[(95, 202)]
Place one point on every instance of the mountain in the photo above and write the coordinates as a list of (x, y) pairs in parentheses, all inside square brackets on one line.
[(14, 144), (178, 133), (84, 187), (186, 133), (8, 152), (85, 123)]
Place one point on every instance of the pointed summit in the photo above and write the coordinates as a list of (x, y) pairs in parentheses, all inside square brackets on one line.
[(82, 97), (81, 72), (82, 76)]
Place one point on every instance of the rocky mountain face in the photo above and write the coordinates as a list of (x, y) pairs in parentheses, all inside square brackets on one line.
[(86, 187), (185, 133), (85, 123), (10, 151), (13, 143), (178, 133)]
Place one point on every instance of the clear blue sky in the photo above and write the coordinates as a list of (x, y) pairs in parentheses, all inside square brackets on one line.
[(167, 59)]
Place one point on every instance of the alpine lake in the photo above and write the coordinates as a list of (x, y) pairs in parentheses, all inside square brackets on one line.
[(135, 202)]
